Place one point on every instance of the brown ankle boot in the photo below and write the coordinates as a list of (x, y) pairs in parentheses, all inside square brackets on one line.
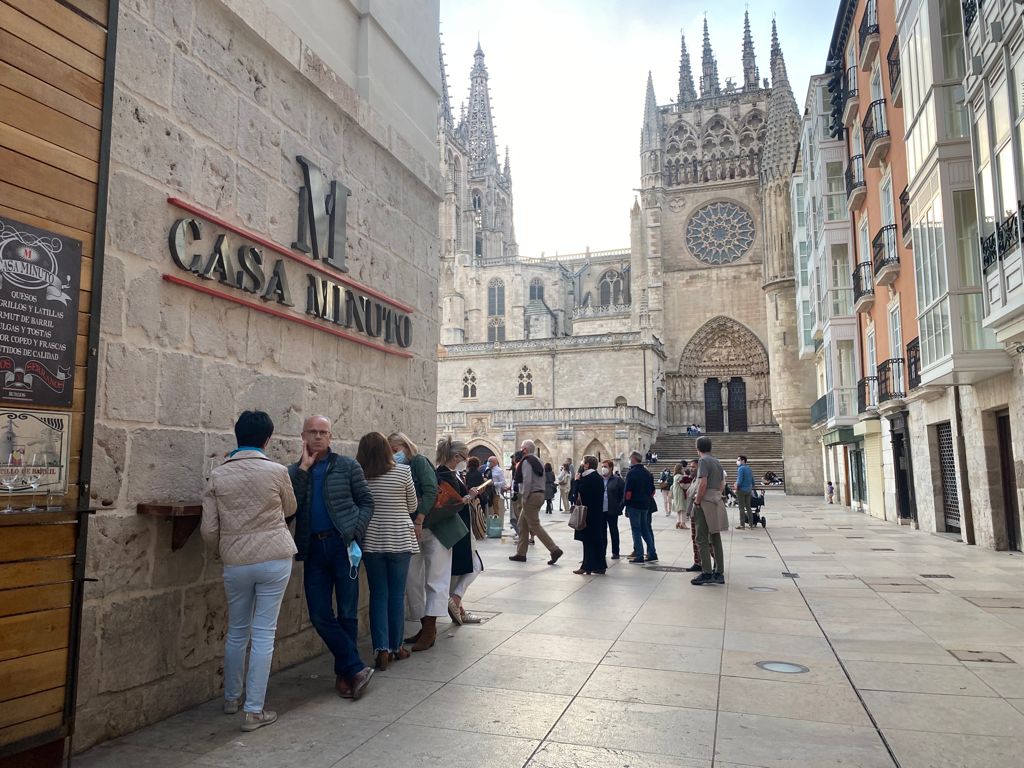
[(427, 635), (415, 638)]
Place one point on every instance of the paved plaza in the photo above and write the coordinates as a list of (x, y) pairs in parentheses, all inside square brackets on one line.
[(913, 645)]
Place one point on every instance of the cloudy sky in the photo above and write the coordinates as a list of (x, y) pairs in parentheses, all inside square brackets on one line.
[(568, 79)]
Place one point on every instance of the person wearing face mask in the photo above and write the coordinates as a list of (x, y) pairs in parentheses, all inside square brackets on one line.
[(590, 492), (678, 496), (431, 566), (744, 487), (466, 561), (612, 502)]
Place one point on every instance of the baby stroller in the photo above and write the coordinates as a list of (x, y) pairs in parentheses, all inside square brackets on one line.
[(729, 497), (757, 507)]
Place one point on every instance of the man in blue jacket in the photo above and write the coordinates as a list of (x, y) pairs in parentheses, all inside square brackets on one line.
[(744, 487), (334, 508), (638, 496)]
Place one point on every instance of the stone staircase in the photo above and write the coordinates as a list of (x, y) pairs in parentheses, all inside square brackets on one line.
[(762, 449)]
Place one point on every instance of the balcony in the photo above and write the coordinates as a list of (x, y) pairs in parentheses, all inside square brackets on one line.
[(970, 8), (913, 364), (1008, 232), (905, 228), (863, 288), (856, 187), (890, 380), (895, 83), (819, 411), (867, 395), (885, 255), (851, 100), (869, 36), (876, 134)]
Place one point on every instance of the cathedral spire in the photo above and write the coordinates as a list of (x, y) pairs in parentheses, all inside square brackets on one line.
[(650, 135), (446, 119), (686, 90), (483, 151), (783, 123), (507, 171), (750, 78), (709, 85)]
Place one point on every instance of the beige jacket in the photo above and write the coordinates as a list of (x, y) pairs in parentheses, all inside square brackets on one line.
[(246, 501)]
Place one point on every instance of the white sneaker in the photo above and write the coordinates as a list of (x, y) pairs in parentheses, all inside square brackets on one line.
[(254, 720)]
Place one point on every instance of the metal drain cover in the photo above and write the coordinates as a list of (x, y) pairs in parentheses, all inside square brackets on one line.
[(783, 667), (880, 549), (755, 557), (994, 657), (935, 576), (762, 589), (845, 576), (790, 575), (997, 602), (665, 568)]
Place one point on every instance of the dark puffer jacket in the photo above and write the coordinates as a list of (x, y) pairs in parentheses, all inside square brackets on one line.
[(349, 501)]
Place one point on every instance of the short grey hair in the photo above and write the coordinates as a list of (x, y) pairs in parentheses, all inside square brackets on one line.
[(528, 446)]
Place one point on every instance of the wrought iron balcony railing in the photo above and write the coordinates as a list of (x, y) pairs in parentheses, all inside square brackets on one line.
[(893, 59), (970, 8), (863, 284), (875, 125), (1008, 232), (905, 215), (890, 380), (855, 175), (867, 394), (914, 363), (819, 411), (883, 248), (868, 22)]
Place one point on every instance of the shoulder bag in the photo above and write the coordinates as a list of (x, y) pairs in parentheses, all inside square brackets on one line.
[(578, 517)]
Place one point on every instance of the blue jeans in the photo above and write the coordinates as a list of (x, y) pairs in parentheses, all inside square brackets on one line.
[(640, 526), (254, 594), (386, 573), (326, 579)]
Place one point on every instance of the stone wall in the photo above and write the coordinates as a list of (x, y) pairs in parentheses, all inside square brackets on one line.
[(212, 107)]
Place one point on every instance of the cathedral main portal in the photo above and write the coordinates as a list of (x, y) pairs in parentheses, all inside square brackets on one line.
[(722, 381)]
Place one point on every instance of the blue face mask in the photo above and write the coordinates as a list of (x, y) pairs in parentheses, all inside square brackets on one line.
[(355, 556), (400, 457)]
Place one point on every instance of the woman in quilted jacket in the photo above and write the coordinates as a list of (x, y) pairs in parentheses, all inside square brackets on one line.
[(245, 504)]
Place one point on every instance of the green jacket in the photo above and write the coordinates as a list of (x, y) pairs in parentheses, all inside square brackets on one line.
[(425, 480)]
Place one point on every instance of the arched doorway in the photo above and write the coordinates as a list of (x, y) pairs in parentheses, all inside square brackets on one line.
[(722, 380), (482, 452)]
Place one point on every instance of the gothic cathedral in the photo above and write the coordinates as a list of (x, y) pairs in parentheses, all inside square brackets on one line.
[(603, 352)]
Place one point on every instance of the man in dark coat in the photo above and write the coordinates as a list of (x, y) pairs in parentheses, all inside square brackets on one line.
[(638, 498), (612, 503), (334, 508)]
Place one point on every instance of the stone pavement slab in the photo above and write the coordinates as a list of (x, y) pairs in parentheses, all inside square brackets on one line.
[(639, 668)]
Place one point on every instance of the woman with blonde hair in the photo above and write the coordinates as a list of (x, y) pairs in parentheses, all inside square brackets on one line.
[(388, 544), (432, 564), (679, 496)]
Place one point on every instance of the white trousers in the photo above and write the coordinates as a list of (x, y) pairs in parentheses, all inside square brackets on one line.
[(461, 583), (430, 573)]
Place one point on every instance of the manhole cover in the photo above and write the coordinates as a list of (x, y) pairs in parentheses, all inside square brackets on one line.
[(783, 667), (844, 576), (665, 568), (762, 589), (790, 575), (997, 602), (994, 657), (935, 576)]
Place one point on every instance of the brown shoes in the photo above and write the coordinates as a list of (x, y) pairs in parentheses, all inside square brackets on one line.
[(554, 556), (428, 634), (343, 688), (517, 558), (383, 658), (400, 654)]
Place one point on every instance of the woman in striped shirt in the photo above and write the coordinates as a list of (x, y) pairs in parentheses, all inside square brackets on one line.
[(388, 545)]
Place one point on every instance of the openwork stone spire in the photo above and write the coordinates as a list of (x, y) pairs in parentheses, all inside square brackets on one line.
[(750, 78), (483, 151), (709, 85), (447, 121), (783, 126), (650, 135), (507, 172), (687, 92)]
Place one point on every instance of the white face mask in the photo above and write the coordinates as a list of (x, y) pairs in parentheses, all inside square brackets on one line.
[(604, 471), (738, 462), (460, 467)]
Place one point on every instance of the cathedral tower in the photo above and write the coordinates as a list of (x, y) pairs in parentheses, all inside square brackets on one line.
[(793, 382)]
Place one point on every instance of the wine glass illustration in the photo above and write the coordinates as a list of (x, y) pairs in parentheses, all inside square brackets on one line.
[(31, 478), (10, 482)]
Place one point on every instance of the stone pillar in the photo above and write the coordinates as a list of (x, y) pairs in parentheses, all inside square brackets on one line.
[(725, 406)]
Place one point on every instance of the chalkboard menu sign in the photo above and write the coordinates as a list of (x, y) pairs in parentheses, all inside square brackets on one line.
[(39, 281)]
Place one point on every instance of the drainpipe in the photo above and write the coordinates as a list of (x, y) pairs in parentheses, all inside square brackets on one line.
[(645, 380), (967, 521)]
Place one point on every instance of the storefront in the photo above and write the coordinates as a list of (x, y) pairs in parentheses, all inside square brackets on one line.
[(255, 206)]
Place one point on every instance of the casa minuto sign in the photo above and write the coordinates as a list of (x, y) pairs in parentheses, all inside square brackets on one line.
[(250, 270)]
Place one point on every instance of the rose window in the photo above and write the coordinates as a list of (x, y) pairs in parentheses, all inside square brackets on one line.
[(720, 233)]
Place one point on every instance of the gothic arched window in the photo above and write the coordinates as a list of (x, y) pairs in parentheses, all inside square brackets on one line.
[(469, 383), (525, 382), (611, 288), (496, 310), (536, 289)]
